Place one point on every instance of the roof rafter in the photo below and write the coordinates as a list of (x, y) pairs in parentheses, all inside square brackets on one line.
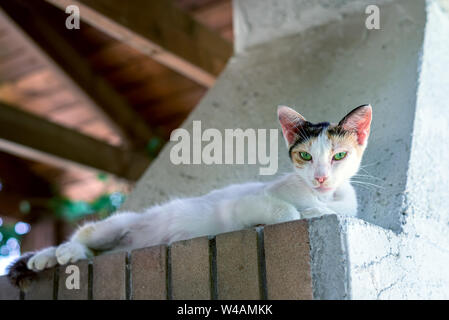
[(161, 30), (77, 72), (33, 137)]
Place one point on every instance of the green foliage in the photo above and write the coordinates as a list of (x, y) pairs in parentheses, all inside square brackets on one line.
[(7, 232), (154, 146), (70, 210), (25, 207), (102, 176), (105, 204)]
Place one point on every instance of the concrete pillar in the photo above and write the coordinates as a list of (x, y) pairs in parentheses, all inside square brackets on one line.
[(319, 57)]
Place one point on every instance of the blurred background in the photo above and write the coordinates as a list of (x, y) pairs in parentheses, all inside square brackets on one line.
[(82, 114)]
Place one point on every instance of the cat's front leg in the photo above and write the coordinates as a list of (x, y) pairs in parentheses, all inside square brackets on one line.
[(283, 212), (72, 251), (314, 212), (256, 210), (102, 236), (343, 202), (43, 259)]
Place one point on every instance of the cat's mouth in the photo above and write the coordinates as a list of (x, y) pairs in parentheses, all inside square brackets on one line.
[(323, 189)]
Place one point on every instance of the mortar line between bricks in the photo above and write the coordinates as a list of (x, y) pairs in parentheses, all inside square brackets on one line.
[(213, 268), (168, 274), (128, 280), (56, 282), (262, 264), (90, 280)]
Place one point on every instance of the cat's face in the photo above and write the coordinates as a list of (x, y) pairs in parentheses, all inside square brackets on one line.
[(325, 155)]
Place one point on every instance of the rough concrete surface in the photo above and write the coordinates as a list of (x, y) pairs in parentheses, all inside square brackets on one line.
[(258, 21)]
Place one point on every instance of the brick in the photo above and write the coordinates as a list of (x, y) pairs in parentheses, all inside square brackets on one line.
[(237, 266), (190, 269), (7, 290), (42, 287), (74, 294), (287, 261), (149, 273), (109, 277)]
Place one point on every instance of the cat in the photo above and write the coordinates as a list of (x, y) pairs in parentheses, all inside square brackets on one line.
[(324, 156)]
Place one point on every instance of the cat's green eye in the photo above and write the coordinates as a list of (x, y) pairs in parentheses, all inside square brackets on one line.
[(305, 156), (340, 156)]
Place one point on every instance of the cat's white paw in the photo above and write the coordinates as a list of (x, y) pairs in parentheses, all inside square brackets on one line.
[(316, 212), (43, 259), (71, 252)]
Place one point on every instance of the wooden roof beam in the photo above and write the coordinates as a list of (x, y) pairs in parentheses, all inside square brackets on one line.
[(33, 137), (161, 30), (68, 63)]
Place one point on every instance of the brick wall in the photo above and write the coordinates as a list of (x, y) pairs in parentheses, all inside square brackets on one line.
[(264, 263)]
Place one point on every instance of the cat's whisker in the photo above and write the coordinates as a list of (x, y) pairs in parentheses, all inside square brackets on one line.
[(368, 165), (371, 189), (367, 183), (366, 171), (363, 182), (367, 176), (366, 187)]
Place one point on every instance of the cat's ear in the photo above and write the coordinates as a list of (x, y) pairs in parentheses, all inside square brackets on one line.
[(358, 120), (291, 122)]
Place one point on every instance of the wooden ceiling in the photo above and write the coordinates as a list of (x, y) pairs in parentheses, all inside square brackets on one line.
[(95, 84)]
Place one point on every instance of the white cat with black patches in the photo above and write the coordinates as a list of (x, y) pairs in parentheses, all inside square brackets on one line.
[(325, 156)]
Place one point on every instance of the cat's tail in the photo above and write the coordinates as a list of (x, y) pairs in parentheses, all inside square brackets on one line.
[(18, 273)]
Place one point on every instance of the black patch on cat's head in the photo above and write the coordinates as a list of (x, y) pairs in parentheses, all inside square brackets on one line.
[(337, 131), (308, 131)]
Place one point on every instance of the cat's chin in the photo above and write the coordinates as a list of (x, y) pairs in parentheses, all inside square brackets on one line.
[(322, 189)]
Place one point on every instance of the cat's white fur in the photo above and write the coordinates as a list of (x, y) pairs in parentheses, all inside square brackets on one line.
[(234, 207)]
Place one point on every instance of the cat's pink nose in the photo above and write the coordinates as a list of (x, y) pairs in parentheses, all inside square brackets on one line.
[(321, 179)]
